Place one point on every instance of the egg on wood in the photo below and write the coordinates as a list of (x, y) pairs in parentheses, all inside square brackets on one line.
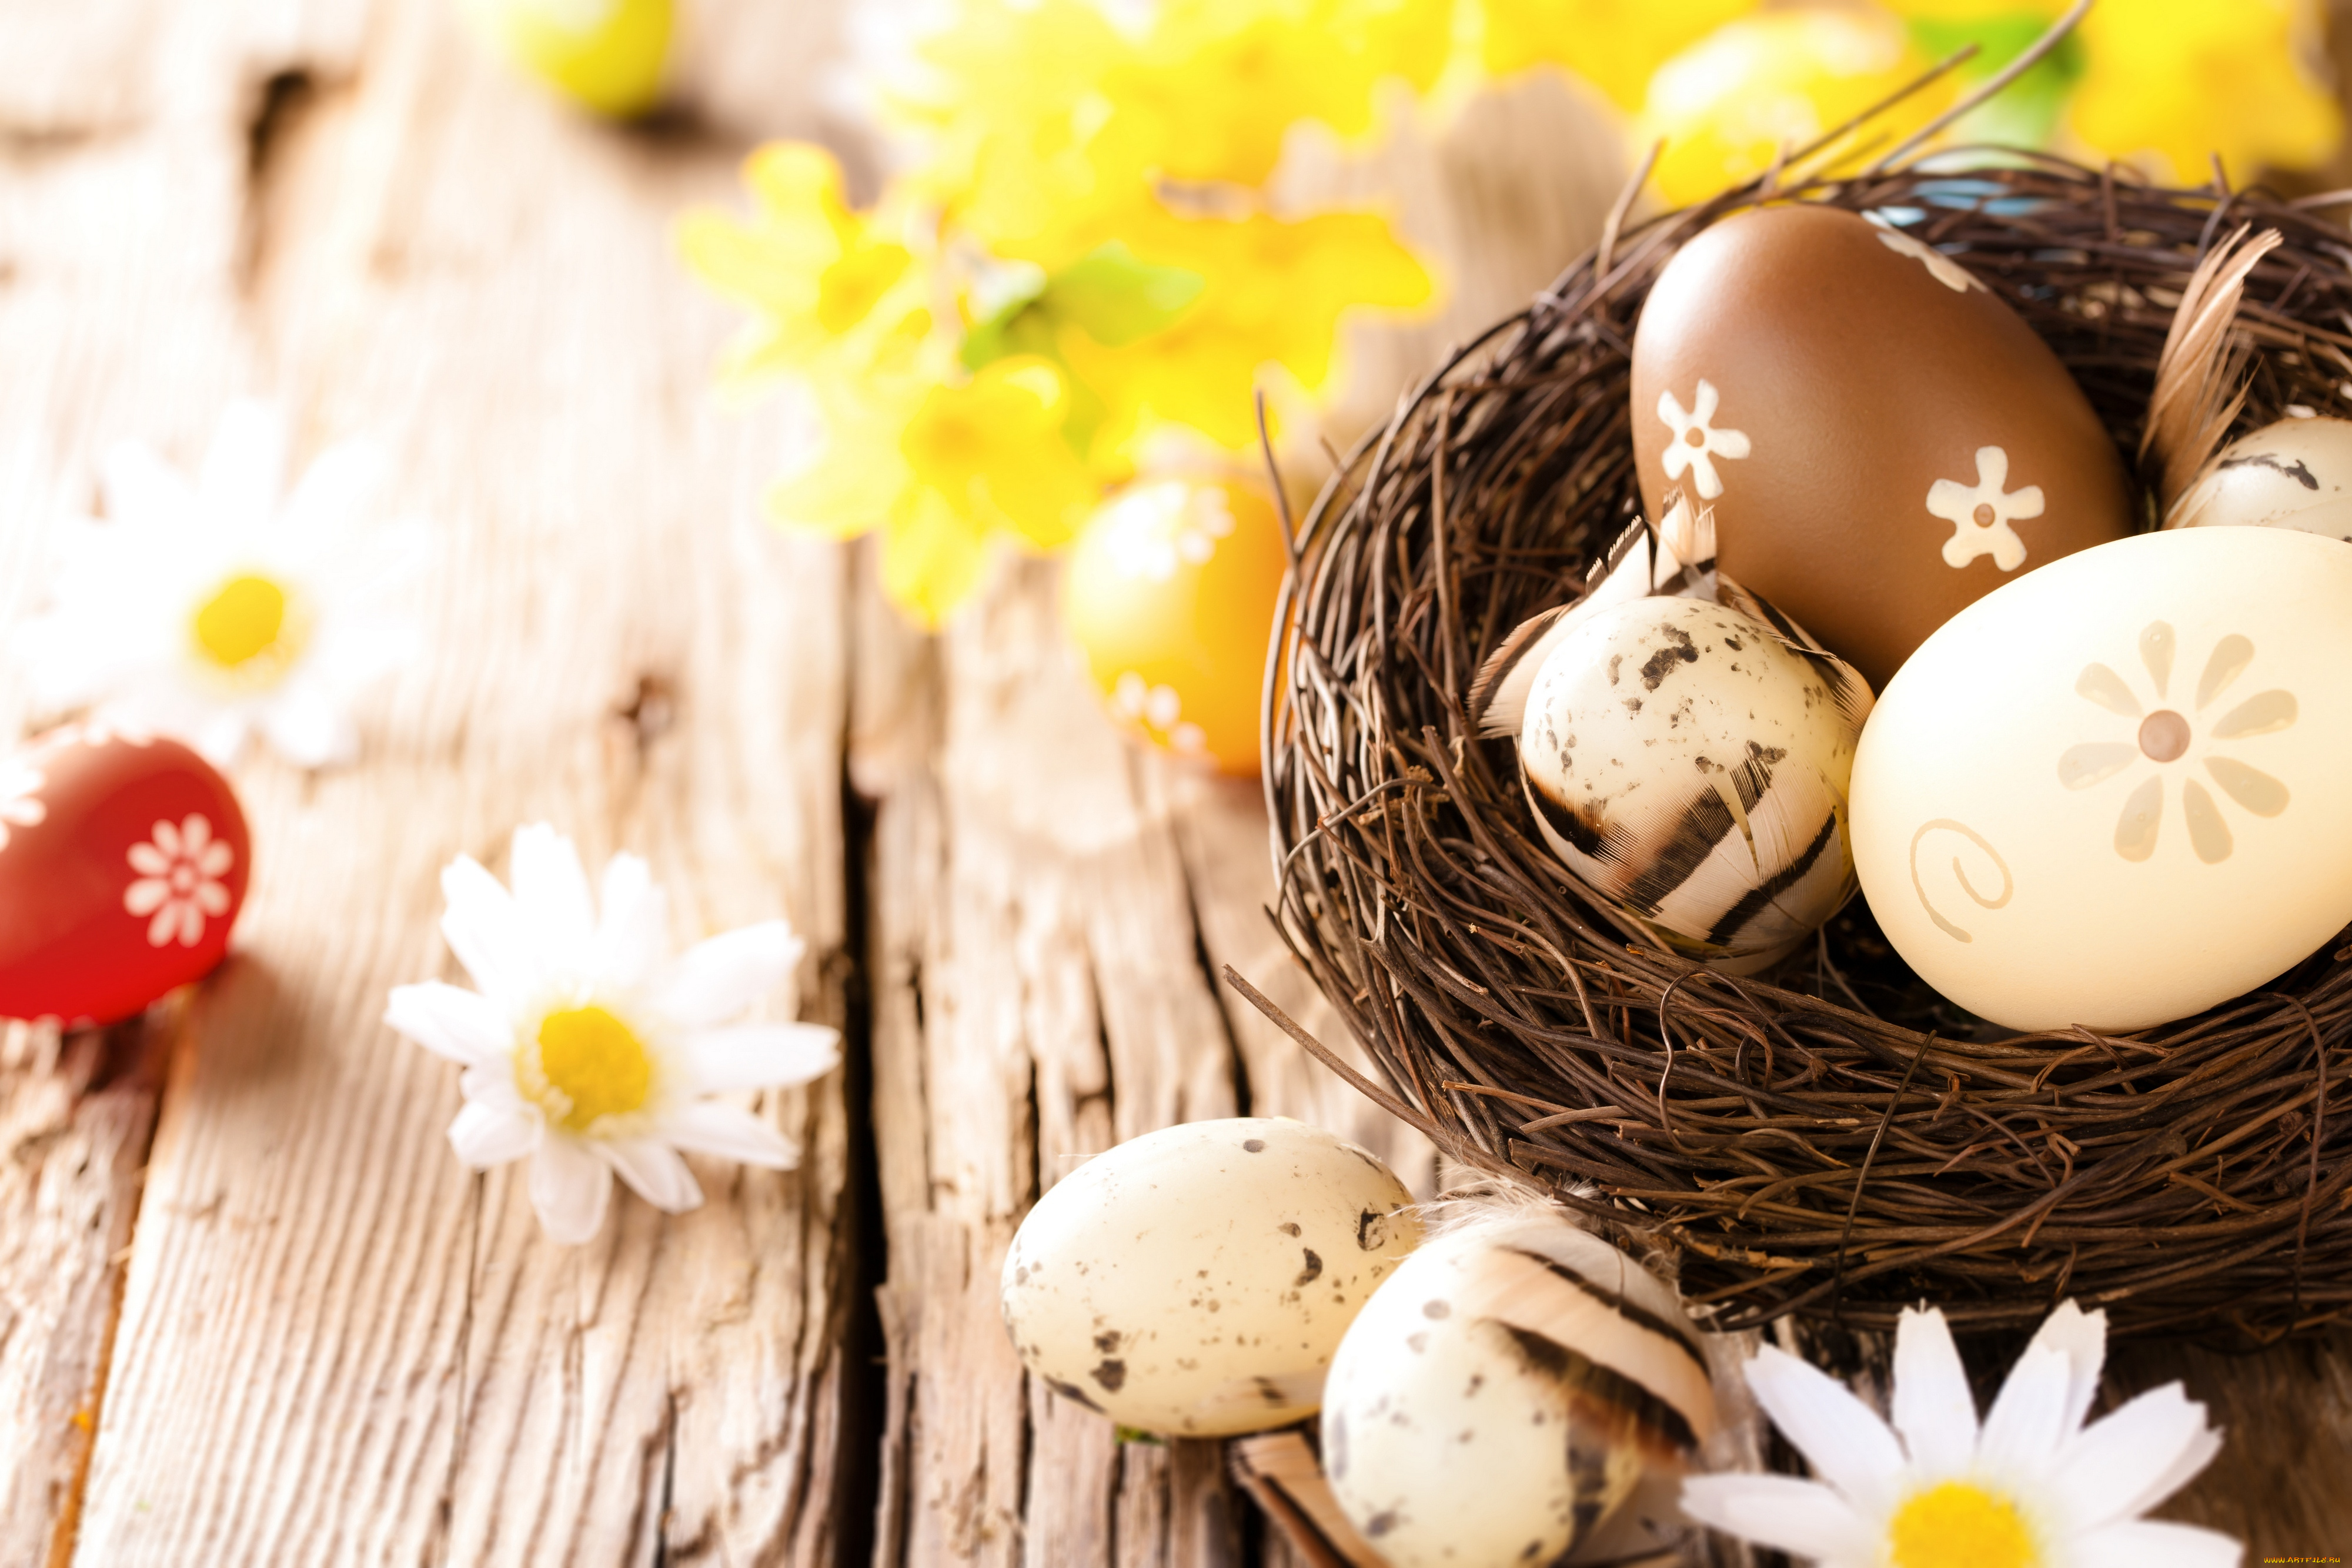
[(1196, 1279), (123, 862), (2113, 793), (1689, 764), (1168, 595), (1506, 1392), (1881, 439), (606, 56), (2296, 473)]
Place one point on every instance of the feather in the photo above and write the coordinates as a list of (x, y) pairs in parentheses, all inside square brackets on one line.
[(1847, 688), (1499, 693), (2203, 358)]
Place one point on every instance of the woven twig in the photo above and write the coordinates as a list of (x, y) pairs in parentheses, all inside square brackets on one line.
[(1832, 1139)]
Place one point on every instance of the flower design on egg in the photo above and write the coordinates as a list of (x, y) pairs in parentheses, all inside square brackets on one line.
[(1696, 443), (1981, 514), (1151, 528), (1944, 270), (20, 800), (179, 880), (2165, 735), (1160, 708)]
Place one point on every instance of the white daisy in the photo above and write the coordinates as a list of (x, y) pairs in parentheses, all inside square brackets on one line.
[(2031, 1487), (592, 1049), (211, 609)]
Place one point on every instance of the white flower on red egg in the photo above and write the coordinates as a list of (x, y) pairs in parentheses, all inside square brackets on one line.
[(1695, 442), (2028, 1487), (21, 805), (212, 608), (593, 1050), (179, 887)]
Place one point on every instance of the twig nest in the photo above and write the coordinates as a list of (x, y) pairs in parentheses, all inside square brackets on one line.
[(1506, 1391), (1691, 767), (1195, 1281), (2296, 473)]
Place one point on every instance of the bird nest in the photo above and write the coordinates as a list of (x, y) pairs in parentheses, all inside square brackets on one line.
[(1831, 1138)]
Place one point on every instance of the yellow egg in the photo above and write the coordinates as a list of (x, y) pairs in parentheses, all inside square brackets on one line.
[(1169, 595), (604, 55)]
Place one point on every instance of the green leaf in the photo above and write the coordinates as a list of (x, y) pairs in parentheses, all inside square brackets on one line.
[(2026, 112), (1117, 299), (1138, 1435)]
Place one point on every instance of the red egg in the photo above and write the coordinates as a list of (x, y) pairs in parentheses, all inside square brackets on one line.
[(123, 862)]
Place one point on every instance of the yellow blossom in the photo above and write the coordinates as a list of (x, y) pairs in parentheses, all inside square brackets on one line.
[(942, 467), (1762, 84), (2174, 82), (1615, 44), (818, 277), (1219, 83), (1275, 291), (1006, 107), (606, 56)]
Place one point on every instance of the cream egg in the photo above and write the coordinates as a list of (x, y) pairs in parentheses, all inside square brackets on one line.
[(1506, 1391), (1196, 1279), (1690, 767), (2296, 474), (2113, 793)]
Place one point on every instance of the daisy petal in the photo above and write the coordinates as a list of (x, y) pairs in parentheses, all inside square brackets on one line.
[(2082, 1338), (244, 466), (2135, 1456), (715, 980), (142, 489), (633, 928), (335, 487), (2023, 1431), (757, 1055), (448, 1020), (2150, 1543), (307, 727), (485, 929), (654, 1173), (551, 891), (569, 1188), (1848, 1445), (1933, 1408), (1803, 1517), (715, 1127), (484, 1136)]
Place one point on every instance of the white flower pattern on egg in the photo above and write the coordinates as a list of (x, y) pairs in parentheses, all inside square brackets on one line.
[(2165, 736), (1160, 708), (1982, 514), (1942, 267), (179, 880), (20, 800), (1696, 443)]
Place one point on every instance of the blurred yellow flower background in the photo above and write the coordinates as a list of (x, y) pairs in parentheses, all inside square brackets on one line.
[(1080, 257)]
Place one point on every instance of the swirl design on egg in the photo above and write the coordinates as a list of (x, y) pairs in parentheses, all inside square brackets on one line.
[(2165, 736), (1959, 875)]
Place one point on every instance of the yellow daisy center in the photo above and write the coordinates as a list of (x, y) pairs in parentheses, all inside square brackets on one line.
[(1957, 1524), (591, 1065), (245, 620)]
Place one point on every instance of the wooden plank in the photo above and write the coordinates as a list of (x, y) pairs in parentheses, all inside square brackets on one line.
[(336, 1345)]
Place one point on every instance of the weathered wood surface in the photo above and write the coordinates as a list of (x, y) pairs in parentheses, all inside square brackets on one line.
[(250, 1311)]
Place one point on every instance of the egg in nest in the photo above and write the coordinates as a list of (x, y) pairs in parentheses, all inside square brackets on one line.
[(2296, 473), (1689, 763)]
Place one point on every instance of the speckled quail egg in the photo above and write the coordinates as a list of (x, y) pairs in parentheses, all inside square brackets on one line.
[(1196, 1279), (2296, 474), (1506, 1390), (1690, 765)]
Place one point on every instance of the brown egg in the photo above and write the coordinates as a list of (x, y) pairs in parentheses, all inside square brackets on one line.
[(1883, 440)]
